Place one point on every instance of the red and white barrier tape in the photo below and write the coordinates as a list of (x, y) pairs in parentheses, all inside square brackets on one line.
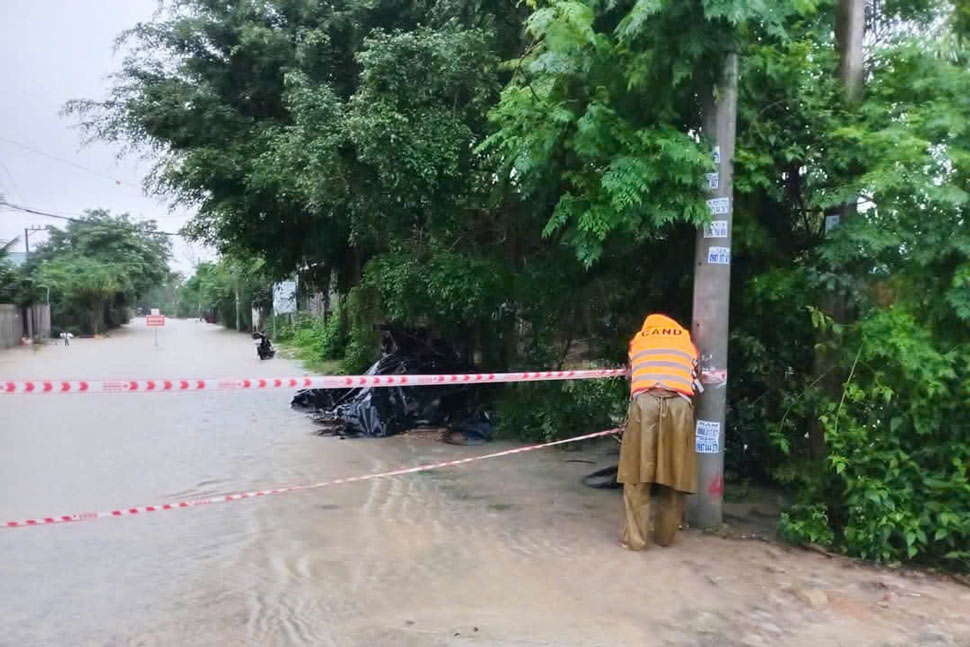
[(15, 387), (290, 489)]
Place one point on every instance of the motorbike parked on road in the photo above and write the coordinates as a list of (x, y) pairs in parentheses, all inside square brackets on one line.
[(264, 348)]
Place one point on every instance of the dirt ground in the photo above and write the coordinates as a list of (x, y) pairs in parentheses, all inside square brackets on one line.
[(514, 551)]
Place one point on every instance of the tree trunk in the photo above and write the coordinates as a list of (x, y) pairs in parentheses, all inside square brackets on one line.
[(849, 38), (850, 24)]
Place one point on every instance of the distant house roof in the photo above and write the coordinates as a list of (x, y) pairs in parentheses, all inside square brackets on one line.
[(17, 258)]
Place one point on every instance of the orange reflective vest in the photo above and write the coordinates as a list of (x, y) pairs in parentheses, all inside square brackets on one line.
[(663, 355)]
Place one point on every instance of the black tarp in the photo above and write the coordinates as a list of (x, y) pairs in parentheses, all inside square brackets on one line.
[(386, 411)]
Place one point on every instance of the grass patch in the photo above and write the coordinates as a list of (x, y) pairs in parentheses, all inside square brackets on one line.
[(310, 359)]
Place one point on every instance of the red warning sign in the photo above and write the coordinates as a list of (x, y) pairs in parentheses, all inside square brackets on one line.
[(155, 320)]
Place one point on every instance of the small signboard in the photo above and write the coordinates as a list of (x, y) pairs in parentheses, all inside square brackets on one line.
[(155, 311), (713, 376), (716, 229), (719, 255), (719, 206), (707, 438), (284, 297), (155, 320)]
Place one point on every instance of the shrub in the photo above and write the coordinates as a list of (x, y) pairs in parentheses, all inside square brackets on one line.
[(896, 482), (545, 411)]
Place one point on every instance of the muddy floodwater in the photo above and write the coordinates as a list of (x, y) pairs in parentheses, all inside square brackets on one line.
[(507, 552)]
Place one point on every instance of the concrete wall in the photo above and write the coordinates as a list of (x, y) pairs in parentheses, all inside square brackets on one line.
[(11, 325), (40, 320), (17, 323)]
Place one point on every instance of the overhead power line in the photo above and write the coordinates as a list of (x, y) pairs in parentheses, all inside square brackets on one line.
[(11, 181), (76, 219), (67, 162)]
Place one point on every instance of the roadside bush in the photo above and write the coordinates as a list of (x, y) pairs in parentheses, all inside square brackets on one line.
[(544, 411), (361, 339), (896, 482), (347, 335), (321, 336), (314, 338), (807, 523)]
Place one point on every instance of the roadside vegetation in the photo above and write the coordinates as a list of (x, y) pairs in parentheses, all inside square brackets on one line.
[(9, 278), (221, 290), (525, 180), (313, 340), (92, 271)]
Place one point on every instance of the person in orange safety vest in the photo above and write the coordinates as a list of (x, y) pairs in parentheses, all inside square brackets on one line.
[(658, 443)]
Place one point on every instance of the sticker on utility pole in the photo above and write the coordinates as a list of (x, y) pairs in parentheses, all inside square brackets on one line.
[(717, 376), (719, 206), (707, 437), (713, 181), (718, 255), (716, 229), (716, 154)]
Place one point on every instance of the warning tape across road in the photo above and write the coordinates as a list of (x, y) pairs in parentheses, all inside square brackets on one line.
[(290, 489), (19, 387)]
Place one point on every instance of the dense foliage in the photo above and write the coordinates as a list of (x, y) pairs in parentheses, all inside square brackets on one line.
[(95, 269), (163, 296), (223, 290), (526, 183), (9, 278), (895, 483)]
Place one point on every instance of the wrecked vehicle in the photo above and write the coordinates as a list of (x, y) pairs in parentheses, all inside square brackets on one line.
[(386, 411)]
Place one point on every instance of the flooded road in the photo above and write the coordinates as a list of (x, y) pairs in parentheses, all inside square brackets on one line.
[(507, 552)]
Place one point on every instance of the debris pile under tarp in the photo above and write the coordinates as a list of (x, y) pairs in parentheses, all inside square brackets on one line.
[(386, 411)]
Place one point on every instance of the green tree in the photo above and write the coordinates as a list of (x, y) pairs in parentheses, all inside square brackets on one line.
[(9, 277), (526, 182), (96, 267), (896, 473), (163, 296), (252, 107), (214, 288)]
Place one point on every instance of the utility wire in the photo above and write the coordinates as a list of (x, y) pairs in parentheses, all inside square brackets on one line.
[(68, 162), (81, 221), (11, 182)]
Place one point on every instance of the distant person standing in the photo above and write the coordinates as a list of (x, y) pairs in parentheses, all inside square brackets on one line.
[(658, 443)]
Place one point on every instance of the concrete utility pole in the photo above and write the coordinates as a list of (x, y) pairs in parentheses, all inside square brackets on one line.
[(30, 311), (237, 306), (712, 290), (850, 29), (27, 231)]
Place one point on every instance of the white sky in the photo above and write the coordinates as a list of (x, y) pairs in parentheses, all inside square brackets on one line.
[(52, 51)]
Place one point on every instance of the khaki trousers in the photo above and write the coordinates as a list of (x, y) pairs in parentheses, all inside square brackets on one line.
[(670, 512)]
